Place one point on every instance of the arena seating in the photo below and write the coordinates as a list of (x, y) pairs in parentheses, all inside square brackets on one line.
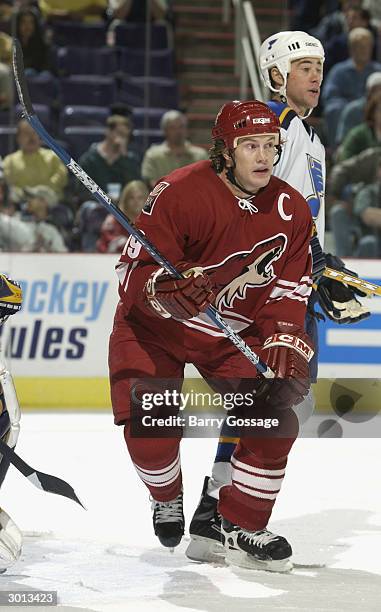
[(162, 93), (80, 89), (86, 60)]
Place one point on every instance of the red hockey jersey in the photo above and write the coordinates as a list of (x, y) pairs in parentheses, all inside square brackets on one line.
[(256, 254)]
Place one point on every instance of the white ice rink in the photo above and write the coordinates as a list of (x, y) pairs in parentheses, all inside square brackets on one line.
[(107, 559)]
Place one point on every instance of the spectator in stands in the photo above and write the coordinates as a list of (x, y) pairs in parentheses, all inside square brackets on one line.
[(110, 161), (135, 10), (365, 135), (39, 211), (354, 112), (33, 232), (113, 235), (30, 34), (367, 208), (346, 179), (89, 11), (111, 164), (15, 235), (176, 151), (33, 165), (336, 49), (333, 23), (346, 81)]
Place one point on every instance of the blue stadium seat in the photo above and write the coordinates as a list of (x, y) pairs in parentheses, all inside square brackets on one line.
[(148, 118), (133, 62), (86, 60), (134, 34), (88, 34), (7, 140), (85, 116), (4, 117), (163, 93), (78, 139), (80, 89), (43, 89)]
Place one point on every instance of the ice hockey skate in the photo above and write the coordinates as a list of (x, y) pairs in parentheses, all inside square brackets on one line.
[(168, 521), (258, 550), (205, 530)]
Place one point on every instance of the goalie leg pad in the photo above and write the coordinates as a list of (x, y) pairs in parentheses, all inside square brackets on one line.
[(9, 415), (10, 541)]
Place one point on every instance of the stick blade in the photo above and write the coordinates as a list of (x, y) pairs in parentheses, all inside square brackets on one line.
[(18, 71), (53, 484)]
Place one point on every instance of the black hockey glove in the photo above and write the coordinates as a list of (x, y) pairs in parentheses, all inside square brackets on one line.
[(338, 300), (10, 297)]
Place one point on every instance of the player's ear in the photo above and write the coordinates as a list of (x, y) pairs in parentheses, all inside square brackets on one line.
[(228, 159), (276, 77)]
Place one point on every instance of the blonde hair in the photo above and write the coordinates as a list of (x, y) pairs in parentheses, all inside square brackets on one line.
[(359, 34), (128, 189)]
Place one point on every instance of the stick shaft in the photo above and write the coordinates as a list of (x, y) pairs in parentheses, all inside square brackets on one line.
[(353, 281)]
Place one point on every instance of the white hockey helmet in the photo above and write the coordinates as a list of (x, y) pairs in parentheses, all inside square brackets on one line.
[(280, 49)]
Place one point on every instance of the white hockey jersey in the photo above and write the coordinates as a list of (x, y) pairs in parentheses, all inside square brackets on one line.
[(302, 163)]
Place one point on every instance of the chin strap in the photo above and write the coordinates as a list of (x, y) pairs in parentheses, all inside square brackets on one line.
[(231, 177)]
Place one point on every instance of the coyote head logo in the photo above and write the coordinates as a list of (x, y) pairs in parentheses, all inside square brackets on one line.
[(233, 276)]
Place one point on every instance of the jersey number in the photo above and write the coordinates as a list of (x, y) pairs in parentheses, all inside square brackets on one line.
[(132, 248)]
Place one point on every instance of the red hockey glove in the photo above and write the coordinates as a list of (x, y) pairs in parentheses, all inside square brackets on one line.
[(179, 298), (287, 352)]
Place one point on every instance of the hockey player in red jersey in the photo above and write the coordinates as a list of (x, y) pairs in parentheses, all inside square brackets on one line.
[(241, 238)]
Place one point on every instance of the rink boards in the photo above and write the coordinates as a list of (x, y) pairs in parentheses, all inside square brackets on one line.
[(56, 348)]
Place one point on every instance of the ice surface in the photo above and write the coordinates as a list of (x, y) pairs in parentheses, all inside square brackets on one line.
[(107, 559)]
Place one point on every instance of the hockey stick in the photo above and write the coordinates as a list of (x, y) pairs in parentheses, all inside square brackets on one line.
[(353, 281), (46, 482), (102, 198)]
